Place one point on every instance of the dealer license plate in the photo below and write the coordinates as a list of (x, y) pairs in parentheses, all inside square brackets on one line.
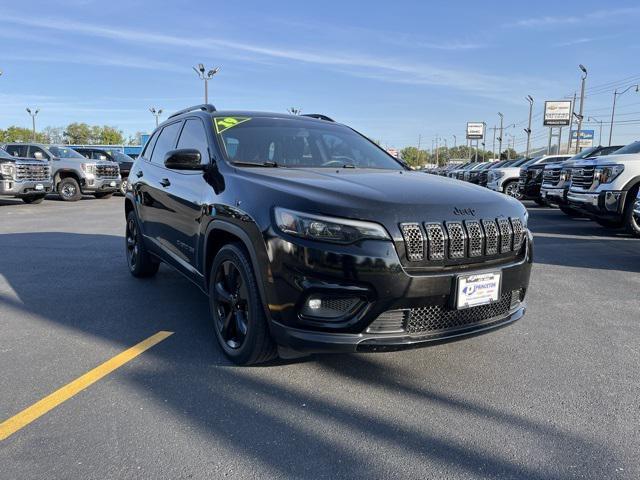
[(39, 187), (112, 184), (478, 289)]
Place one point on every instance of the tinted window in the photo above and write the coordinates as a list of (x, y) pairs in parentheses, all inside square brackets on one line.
[(148, 148), (166, 141), (608, 150), (195, 136), (17, 150), (299, 143), (64, 152), (631, 148)]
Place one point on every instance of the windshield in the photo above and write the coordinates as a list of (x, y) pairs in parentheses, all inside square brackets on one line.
[(285, 142), (119, 156), (631, 148), (584, 153), (5, 154), (522, 161), (64, 152)]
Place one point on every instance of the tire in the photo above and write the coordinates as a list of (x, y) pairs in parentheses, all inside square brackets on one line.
[(141, 263), (101, 195), (123, 186), (606, 223), (511, 189), (69, 190), (571, 212), (33, 199), (631, 222), (237, 311)]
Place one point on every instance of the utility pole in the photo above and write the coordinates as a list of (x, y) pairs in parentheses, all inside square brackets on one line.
[(455, 142), (156, 113), (202, 73), (493, 148), (613, 109), (33, 114), (599, 122), (580, 115), (571, 122), (419, 153), (500, 137), (528, 129)]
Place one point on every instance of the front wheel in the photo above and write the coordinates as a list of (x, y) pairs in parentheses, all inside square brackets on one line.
[(33, 199), (69, 190), (511, 189), (238, 314), (141, 263), (123, 186)]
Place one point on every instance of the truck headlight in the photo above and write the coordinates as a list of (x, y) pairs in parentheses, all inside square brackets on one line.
[(327, 229), (608, 173), (89, 168), (8, 170)]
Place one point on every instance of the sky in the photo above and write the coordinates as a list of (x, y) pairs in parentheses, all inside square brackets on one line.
[(400, 72)]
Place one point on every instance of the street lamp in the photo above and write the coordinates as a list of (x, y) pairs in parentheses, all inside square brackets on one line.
[(33, 121), (500, 137), (529, 99), (580, 115), (613, 109), (156, 113), (205, 75), (593, 119)]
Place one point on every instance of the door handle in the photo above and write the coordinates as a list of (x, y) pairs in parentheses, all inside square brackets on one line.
[(139, 174), (165, 182)]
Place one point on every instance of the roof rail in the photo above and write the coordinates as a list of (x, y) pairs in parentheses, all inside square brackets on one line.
[(319, 116), (205, 107)]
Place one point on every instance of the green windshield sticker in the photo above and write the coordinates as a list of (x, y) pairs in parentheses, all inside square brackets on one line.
[(225, 123)]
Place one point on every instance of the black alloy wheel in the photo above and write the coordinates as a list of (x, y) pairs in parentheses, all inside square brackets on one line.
[(133, 249), (139, 260), (232, 299)]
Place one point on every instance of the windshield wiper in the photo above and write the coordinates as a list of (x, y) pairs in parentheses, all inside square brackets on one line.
[(256, 164)]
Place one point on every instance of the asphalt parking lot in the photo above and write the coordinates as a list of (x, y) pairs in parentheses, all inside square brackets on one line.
[(553, 396)]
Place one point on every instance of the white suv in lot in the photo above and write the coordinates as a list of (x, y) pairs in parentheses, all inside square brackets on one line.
[(506, 179), (606, 188)]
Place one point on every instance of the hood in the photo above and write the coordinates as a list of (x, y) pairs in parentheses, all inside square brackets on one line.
[(385, 196), (609, 159)]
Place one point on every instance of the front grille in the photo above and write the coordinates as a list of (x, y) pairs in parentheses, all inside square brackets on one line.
[(483, 178), (107, 171), (32, 172), (437, 317), (464, 239), (551, 176), (582, 177)]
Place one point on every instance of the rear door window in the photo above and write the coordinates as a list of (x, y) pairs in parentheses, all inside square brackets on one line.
[(17, 150)]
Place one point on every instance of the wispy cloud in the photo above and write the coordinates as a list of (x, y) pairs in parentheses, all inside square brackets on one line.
[(355, 63), (551, 21)]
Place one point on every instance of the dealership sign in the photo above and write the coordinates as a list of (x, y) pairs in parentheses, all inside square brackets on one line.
[(586, 138), (557, 113), (475, 130)]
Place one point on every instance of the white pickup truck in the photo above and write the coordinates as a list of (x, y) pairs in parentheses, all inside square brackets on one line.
[(606, 188)]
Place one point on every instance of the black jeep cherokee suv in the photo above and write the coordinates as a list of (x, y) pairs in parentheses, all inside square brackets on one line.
[(308, 237)]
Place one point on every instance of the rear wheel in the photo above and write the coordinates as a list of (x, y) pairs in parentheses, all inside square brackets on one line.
[(69, 190), (570, 211), (123, 186), (511, 189), (33, 199), (101, 195), (141, 263), (631, 221), (236, 307)]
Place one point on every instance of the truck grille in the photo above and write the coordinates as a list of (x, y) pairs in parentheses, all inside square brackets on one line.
[(551, 176), (107, 171), (459, 240), (482, 178), (582, 177), (32, 172)]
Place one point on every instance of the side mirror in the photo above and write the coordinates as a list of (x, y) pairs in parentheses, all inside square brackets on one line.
[(183, 159)]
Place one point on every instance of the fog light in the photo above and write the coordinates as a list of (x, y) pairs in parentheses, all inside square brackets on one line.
[(314, 303)]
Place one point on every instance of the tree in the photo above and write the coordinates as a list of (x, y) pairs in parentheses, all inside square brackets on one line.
[(53, 134), (509, 153), (414, 157), (78, 134), (20, 134), (111, 136)]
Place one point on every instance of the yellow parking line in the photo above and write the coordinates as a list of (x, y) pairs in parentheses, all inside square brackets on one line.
[(29, 414)]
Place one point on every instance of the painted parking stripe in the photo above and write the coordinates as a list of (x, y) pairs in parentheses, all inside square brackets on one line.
[(35, 411)]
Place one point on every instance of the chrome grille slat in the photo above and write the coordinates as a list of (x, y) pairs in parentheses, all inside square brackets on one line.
[(491, 236), (413, 240), (518, 233), (32, 172), (457, 240), (582, 177), (551, 176), (436, 241), (475, 237), (506, 234), (107, 171)]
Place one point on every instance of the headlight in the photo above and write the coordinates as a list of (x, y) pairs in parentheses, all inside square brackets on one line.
[(88, 167), (565, 175), (327, 229), (8, 170), (608, 174)]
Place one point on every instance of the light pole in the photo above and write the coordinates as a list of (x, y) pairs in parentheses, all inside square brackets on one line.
[(205, 75), (613, 109), (500, 137), (580, 115), (294, 110), (593, 119), (156, 113), (455, 142), (528, 129), (33, 114)]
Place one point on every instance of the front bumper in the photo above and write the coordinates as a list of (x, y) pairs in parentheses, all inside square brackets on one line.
[(495, 185), (25, 188), (98, 184), (553, 195), (385, 286), (605, 204)]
